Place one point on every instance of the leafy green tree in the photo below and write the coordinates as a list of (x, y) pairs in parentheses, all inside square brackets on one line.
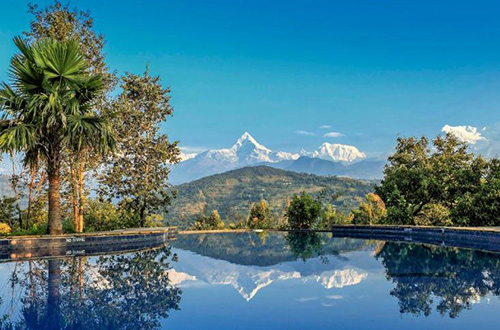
[(442, 185), (137, 174), (213, 221), (47, 110), (372, 211), (303, 211), (260, 215), (331, 216)]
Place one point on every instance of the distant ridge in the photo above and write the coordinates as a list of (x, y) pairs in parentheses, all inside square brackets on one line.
[(246, 151), (232, 192)]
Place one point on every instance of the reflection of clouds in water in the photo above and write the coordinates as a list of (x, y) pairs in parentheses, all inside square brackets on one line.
[(306, 299)]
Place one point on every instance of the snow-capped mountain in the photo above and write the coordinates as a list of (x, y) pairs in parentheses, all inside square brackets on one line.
[(249, 280), (246, 151), (336, 152)]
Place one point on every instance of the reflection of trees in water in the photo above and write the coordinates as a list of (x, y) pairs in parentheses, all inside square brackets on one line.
[(304, 244), (129, 291), (452, 278)]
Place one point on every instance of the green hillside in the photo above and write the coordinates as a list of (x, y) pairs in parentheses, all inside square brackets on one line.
[(231, 193)]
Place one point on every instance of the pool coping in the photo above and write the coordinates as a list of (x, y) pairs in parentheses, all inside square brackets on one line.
[(486, 238), (84, 244)]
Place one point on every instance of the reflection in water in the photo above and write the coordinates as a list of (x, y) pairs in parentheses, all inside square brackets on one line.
[(455, 278), (300, 274), (304, 245), (130, 291)]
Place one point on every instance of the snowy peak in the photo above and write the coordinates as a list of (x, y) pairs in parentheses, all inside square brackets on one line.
[(338, 152), (247, 141)]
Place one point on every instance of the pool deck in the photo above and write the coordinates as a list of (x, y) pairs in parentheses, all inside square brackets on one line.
[(481, 238), (83, 244)]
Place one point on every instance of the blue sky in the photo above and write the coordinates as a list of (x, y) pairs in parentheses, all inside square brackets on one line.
[(368, 69)]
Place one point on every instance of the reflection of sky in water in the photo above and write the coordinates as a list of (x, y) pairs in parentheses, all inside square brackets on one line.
[(247, 282)]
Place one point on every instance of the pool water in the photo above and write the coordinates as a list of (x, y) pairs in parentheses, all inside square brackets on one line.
[(257, 281)]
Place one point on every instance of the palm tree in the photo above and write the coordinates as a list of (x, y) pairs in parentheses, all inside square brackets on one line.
[(47, 110)]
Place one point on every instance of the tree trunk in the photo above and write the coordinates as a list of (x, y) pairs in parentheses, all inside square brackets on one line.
[(74, 183), (82, 197), (53, 173), (53, 319), (30, 194)]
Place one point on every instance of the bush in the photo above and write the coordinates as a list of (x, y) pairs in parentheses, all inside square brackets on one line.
[(331, 216), (434, 215), (260, 215), (303, 212), (4, 229), (101, 215), (372, 211), (213, 221)]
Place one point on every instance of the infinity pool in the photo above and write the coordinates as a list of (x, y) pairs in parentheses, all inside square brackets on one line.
[(257, 281)]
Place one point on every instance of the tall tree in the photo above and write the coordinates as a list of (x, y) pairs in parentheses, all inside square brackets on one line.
[(60, 22), (137, 175), (47, 109)]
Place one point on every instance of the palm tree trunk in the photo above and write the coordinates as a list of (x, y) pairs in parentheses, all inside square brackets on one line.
[(53, 173)]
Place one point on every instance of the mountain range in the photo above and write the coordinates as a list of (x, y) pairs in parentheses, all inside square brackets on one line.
[(233, 192), (328, 159)]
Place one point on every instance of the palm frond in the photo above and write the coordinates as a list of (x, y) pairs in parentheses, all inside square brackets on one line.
[(17, 136)]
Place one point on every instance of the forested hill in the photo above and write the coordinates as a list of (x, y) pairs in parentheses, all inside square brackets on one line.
[(231, 193)]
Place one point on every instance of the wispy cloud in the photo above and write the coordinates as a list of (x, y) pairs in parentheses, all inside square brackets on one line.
[(306, 299), (333, 135), (325, 127), (468, 134), (335, 297), (304, 133), (191, 149)]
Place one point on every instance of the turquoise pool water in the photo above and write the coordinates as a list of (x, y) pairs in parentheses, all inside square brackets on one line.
[(257, 281)]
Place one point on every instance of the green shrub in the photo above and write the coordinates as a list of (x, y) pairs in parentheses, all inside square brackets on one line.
[(303, 212)]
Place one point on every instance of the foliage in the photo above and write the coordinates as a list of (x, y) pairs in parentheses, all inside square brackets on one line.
[(434, 215), (304, 245), (131, 291), (7, 209), (46, 110), (232, 193), (447, 279), (211, 222), (138, 172), (59, 22), (331, 216), (4, 228), (104, 215), (303, 211), (260, 215), (370, 212), (62, 23), (442, 185)]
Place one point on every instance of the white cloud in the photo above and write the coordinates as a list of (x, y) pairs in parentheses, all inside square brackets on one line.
[(333, 135), (190, 149), (304, 133), (335, 297), (468, 134), (325, 127), (306, 299)]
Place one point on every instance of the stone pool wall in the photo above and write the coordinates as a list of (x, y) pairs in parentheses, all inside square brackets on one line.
[(20, 248), (475, 238)]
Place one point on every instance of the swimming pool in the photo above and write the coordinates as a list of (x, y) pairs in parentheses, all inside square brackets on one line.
[(265, 280)]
